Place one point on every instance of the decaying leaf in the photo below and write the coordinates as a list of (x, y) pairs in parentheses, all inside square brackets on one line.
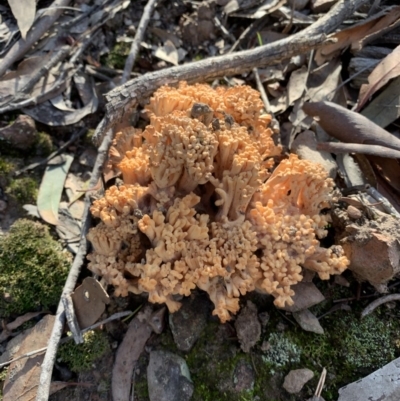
[(48, 114), (387, 69), (139, 331), (384, 109), (305, 146), (297, 84), (359, 34), (24, 12), (68, 228), (348, 126), (168, 53), (12, 83), (23, 375), (17, 323), (51, 188), (90, 301)]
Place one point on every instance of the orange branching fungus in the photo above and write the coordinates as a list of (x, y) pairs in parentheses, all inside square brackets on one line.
[(198, 183)]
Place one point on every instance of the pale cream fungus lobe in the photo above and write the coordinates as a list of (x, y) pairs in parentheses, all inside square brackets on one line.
[(198, 183)]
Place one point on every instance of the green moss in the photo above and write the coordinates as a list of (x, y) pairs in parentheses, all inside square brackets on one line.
[(350, 349), (81, 357), (24, 189), (43, 144), (367, 343), (3, 374), (33, 269), (117, 57), (6, 166)]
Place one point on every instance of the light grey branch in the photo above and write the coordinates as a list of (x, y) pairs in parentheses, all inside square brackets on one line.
[(125, 98), (130, 61)]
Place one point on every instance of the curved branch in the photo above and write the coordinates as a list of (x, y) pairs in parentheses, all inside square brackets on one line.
[(125, 98)]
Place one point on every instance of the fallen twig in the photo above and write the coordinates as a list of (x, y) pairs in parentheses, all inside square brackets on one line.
[(144, 21), (385, 203), (41, 26), (264, 97), (374, 150), (61, 149), (378, 302), (48, 362), (71, 318), (320, 384), (125, 98)]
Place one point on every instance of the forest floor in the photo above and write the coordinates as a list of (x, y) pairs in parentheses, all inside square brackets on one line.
[(52, 102)]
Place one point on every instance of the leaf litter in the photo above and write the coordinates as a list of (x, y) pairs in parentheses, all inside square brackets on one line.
[(198, 31)]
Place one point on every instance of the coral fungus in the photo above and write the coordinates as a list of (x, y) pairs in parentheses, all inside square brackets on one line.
[(198, 183)]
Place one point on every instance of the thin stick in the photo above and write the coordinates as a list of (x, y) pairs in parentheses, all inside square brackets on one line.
[(42, 25), (48, 362), (115, 316), (144, 21), (61, 149), (125, 98), (71, 318), (389, 208), (267, 106), (374, 150), (261, 89), (321, 383), (378, 302)]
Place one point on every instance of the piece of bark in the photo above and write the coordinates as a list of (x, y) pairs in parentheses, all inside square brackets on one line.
[(374, 250), (348, 126)]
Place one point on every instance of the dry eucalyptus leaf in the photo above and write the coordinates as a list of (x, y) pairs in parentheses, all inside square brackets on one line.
[(348, 126), (139, 331), (387, 69), (16, 323), (358, 34), (24, 12), (46, 113), (51, 189), (384, 109), (90, 301), (297, 84), (168, 53)]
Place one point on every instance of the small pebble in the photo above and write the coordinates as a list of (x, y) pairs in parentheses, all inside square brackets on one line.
[(353, 212)]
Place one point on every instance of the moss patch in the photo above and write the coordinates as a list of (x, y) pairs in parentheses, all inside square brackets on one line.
[(81, 357), (43, 144), (117, 57), (24, 190), (33, 269)]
